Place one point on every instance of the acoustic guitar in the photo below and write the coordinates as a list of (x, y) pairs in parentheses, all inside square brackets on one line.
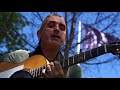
[(35, 64)]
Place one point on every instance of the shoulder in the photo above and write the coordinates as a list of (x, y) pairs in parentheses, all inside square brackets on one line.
[(16, 56), (74, 71)]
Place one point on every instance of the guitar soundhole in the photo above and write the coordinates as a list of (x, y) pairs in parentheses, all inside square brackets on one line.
[(21, 74)]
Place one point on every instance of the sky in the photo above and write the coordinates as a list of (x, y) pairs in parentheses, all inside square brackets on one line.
[(109, 70)]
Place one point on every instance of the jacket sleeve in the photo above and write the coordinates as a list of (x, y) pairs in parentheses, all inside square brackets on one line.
[(74, 71), (15, 56)]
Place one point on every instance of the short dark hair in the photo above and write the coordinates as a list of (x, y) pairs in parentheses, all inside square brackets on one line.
[(44, 22)]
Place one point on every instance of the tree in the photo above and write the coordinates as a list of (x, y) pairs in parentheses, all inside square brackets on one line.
[(11, 25)]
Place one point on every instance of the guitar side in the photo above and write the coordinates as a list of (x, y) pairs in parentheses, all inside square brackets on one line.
[(31, 63)]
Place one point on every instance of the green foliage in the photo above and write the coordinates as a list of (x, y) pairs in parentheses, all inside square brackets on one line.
[(10, 25)]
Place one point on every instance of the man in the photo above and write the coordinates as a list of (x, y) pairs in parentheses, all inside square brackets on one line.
[(51, 36)]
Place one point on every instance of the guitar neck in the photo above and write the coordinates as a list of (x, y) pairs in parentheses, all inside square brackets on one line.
[(84, 56)]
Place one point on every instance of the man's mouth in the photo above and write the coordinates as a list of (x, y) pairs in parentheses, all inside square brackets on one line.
[(55, 37)]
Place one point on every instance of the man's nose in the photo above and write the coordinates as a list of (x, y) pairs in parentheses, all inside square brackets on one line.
[(57, 29)]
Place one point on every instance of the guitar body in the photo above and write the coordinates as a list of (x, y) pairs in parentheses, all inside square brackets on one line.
[(31, 63)]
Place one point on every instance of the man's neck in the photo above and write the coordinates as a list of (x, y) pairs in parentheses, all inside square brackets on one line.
[(49, 53)]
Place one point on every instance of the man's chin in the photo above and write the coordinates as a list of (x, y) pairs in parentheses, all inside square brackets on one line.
[(55, 43)]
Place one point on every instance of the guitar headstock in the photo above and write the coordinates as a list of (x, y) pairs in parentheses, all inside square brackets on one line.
[(114, 48)]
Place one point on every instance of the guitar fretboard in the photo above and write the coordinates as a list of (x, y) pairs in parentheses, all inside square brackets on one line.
[(84, 56)]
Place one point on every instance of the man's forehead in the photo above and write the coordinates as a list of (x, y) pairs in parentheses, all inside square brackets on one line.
[(56, 19)]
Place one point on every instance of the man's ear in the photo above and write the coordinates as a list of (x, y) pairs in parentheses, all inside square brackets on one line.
[(39, 34)]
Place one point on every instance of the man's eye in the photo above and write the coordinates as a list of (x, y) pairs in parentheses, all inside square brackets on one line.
[(62, 27), (51, 24)]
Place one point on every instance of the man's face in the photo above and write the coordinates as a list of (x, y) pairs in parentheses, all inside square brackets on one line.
[(54, 31)]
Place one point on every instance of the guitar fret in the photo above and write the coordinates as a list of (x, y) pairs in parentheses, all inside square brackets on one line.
[(80, 57), (73, 59), (101, 50), (97, 52), (33, 73), (87, 55), (84, 55), (36, 72), (93, 52), (29, 71), (68, 62), (90, 53), (39, 72), (77, 58), (105, 47), (44, 68)]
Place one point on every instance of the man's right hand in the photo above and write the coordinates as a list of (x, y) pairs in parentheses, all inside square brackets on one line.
[(54, 70)]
